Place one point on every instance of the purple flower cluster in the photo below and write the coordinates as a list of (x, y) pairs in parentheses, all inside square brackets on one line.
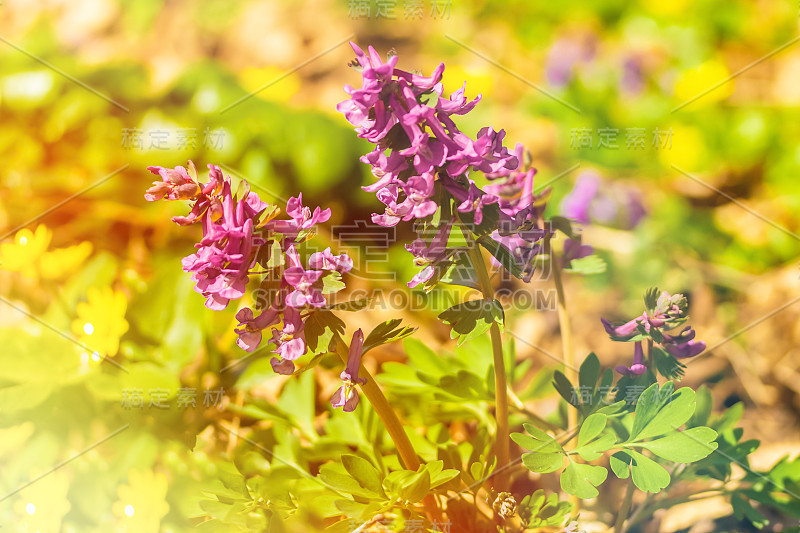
[(669, 312), (422, 162), (220, 267), (241, 233)]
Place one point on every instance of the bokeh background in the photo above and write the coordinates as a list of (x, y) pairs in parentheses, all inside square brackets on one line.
[(609, 92)]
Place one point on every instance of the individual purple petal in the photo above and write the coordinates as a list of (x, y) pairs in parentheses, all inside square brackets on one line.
[(637, 368), (685, 335), (627, 329), (576, 204), (573, 249), (686, 349), (282, 366), (457, 104), (422, 276)]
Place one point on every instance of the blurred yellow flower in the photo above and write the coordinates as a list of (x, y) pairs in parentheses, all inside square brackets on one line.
[(259, 79), (26, 250), (694, 82), (675, 7), (101, 321), (478, 79), (42, 505), (61, 261), (142, 502), (28, 255), (686, 148)]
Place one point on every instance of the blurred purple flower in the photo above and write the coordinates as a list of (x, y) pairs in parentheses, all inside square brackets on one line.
[(594, 201), (573, 249), (632, 81), (564, 55)]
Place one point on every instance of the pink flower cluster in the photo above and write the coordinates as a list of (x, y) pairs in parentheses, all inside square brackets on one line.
[(240, 233), (220, 267), (422, 161)]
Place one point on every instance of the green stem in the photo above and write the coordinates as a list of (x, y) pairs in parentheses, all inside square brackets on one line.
[(500, 384), (566, 345), (626, 507), (387, 415), (566, 334)]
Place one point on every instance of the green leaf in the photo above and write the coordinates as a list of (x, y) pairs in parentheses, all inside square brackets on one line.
[(418, 487), (423, 359), (394, 481), (539, 511), (684, 446), (742, 508), (589, 371), (703, 410), (620, 464), (661, 411), (321, 328), (543, 462), (335, 476), (466, 385), (595, 449), (651, 298), (565, 389), (363, 472), (547, 454), (275, 255), (563, 225), (460, 272), (647, 474), (667, 365), (332, 282), (386, 332), (591, 428), (588, 448), (472, 319), (361, 511), (581, 480)]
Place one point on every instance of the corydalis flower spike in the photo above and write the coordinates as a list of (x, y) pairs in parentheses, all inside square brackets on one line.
[(346, 396), (664, 312)]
